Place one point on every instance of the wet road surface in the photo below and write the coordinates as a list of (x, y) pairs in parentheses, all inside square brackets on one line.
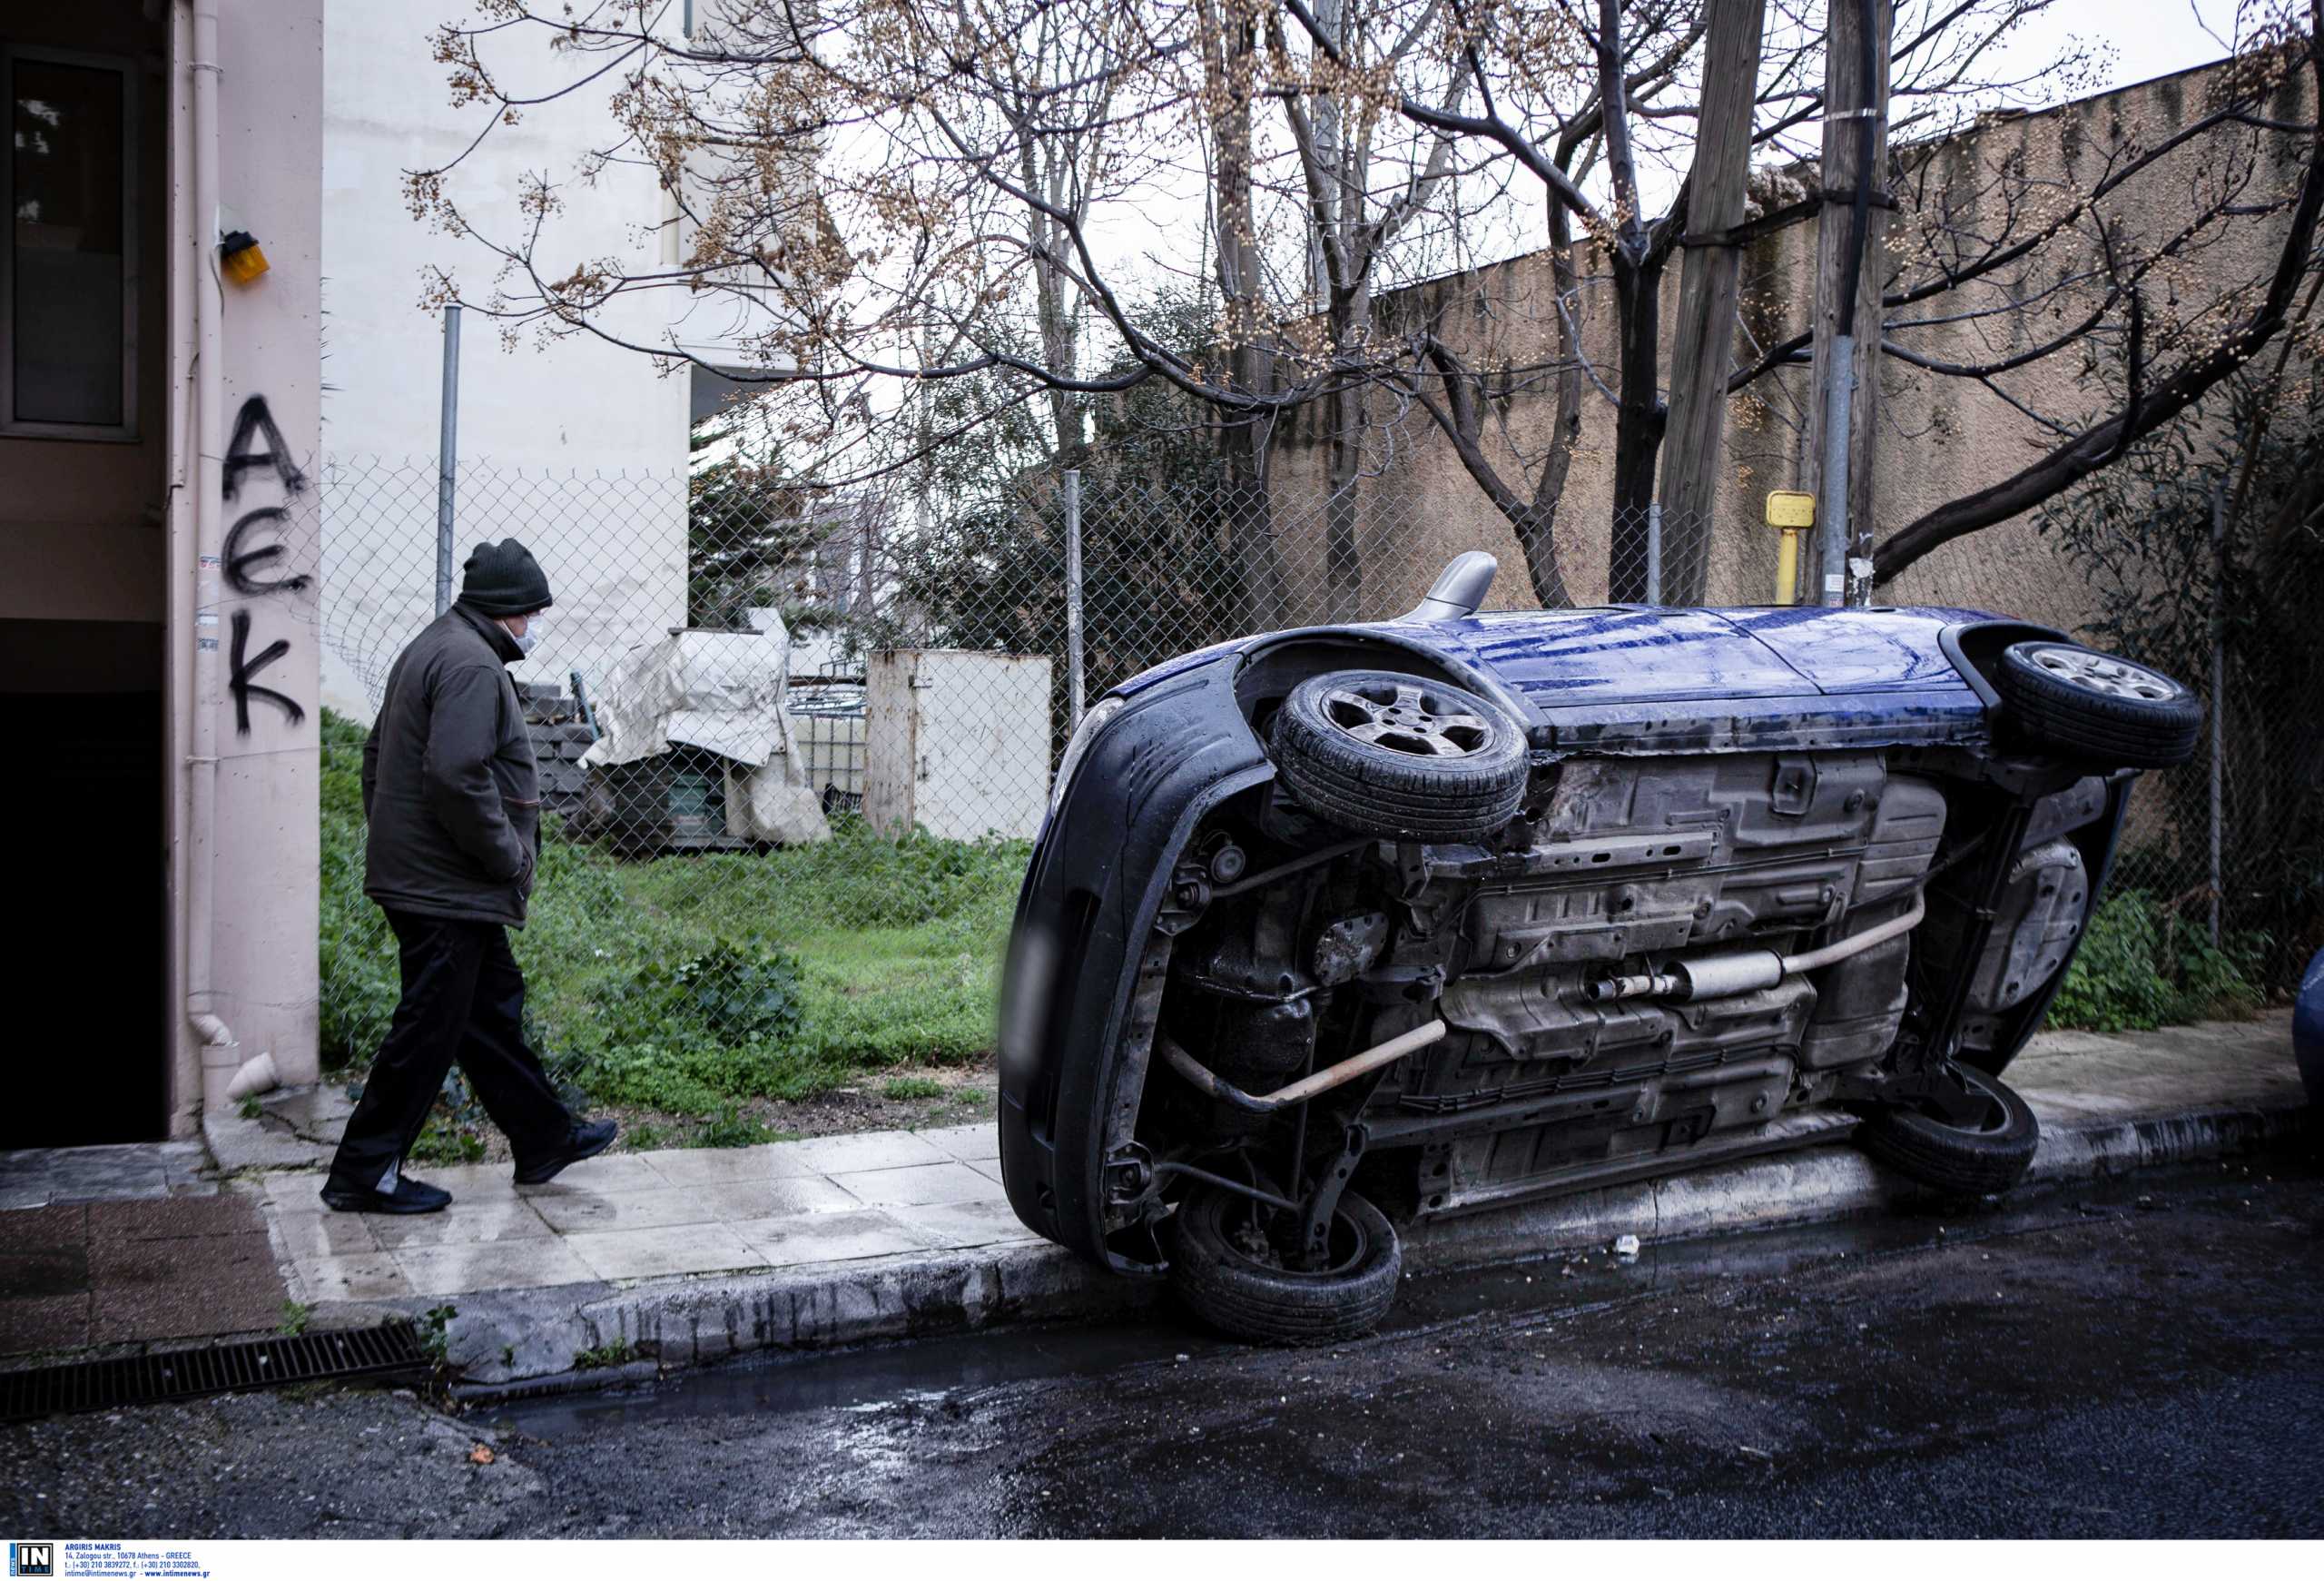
[(2140, 1359)]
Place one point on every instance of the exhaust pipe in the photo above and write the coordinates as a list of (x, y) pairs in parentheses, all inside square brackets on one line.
[(1724, 976), (1299, 1091)]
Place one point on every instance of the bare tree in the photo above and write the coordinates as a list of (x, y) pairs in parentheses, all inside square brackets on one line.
[(888, 195), (1360, 188), (1589, 152), (2071, 273), (891, 196)]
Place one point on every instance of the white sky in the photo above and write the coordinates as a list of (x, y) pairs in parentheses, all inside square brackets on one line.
[(2149, 38), (1140, 242), (2134, 40)]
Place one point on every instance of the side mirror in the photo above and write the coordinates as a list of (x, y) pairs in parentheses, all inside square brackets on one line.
[(1459, 588)]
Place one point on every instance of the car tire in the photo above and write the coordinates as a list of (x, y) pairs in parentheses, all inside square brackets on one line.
[(2094, 707), (1254, 1297), (1400, 757), (1955, 1160)]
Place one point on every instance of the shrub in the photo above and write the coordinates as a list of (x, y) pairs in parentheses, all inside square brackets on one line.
[(358, 959), (659, 983), (2133, 973), (447, 1142)]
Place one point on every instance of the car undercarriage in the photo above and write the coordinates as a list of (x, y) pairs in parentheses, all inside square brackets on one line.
[(1603, 984)]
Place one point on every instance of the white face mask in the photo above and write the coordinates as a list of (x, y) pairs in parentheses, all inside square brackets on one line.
[(530, 638)]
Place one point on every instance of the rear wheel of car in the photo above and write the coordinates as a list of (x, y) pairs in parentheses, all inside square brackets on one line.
[(2092, 707), (1400, 757), (1226, 1270), (1966, 1161)]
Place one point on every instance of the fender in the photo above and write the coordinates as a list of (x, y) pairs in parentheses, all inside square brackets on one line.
[(1098, 878)]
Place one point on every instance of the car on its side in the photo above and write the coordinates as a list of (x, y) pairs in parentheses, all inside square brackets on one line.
[(1333, 928)]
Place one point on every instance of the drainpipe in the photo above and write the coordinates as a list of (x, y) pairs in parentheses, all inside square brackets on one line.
[(217, 1047)]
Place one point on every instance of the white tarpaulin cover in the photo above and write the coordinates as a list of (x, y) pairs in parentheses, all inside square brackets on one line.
[(722, 691)]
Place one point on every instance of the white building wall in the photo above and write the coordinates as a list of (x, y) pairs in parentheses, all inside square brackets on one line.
[(578, 448), (264, 835)]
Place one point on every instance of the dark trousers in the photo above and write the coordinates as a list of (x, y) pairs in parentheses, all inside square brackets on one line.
[(464, 999)]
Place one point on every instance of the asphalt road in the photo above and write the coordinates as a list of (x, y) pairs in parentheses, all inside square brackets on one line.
[(2144, 1361)]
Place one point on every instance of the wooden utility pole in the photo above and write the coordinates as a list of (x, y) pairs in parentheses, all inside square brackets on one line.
[(1849, 270), (1230, 68), (1703, 346)]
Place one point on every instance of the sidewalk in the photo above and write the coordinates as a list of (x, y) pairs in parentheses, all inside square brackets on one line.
[(673, 1259), (652, 1215), (640, 1262)]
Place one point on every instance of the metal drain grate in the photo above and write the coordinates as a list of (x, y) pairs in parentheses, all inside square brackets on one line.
[(172, 1375)]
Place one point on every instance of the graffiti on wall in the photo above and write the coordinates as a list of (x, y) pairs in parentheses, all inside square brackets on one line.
[(255, 541)]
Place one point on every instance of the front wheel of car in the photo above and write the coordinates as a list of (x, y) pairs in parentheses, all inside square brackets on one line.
[(1225, 1269), (2094, 707), (1973, 1160), (1400, 757)]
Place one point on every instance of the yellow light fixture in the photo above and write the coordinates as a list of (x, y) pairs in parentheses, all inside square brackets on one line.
[(1790, 513), (240, 257)]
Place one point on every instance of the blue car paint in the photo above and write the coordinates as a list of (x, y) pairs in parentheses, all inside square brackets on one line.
[(1860, 650), (1600, 675), (2307, 1028), (1891, 718), (1566, 657)]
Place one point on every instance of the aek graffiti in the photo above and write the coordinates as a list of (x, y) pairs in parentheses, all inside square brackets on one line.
[(240, 560), (247, 549), (243, 665)]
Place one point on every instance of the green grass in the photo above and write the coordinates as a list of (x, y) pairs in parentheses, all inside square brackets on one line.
[(686, 983), (909, 1089)]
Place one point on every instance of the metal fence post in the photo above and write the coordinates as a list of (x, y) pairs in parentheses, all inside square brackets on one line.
[(1073, 593), (447, 459), (2219, 687), (1654, 552)]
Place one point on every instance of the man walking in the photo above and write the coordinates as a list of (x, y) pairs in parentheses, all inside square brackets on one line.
[(450, 798)]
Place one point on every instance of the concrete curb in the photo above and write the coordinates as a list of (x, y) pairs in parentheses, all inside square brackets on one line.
[(507, 1343), (1823, 1183)]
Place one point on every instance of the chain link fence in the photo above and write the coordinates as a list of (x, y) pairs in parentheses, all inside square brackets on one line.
[(793, 750)]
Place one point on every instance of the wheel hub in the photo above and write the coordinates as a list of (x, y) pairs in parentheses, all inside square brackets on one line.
[(1406, 720), (2098, 672)]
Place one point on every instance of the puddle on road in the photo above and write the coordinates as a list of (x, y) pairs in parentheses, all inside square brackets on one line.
[(863, 1376), (1516, 1295)]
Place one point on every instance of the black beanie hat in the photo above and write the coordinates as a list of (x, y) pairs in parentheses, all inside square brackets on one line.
[(503, 579)]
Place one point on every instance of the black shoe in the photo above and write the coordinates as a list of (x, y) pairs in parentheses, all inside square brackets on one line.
[(583, 1142), (410, 1196)]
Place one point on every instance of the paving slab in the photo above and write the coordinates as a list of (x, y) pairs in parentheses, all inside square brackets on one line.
[(41, 1177), (455, 1269), (828, 1238), (920, 1185), (135, 1269), (184, 1288), (678, 1248), (294, 1128), (34, 1323)]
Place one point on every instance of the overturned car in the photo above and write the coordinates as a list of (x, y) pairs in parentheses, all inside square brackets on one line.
[(1334, 928)]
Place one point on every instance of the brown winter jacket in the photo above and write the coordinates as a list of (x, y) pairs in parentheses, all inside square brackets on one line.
[(450, 785)]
